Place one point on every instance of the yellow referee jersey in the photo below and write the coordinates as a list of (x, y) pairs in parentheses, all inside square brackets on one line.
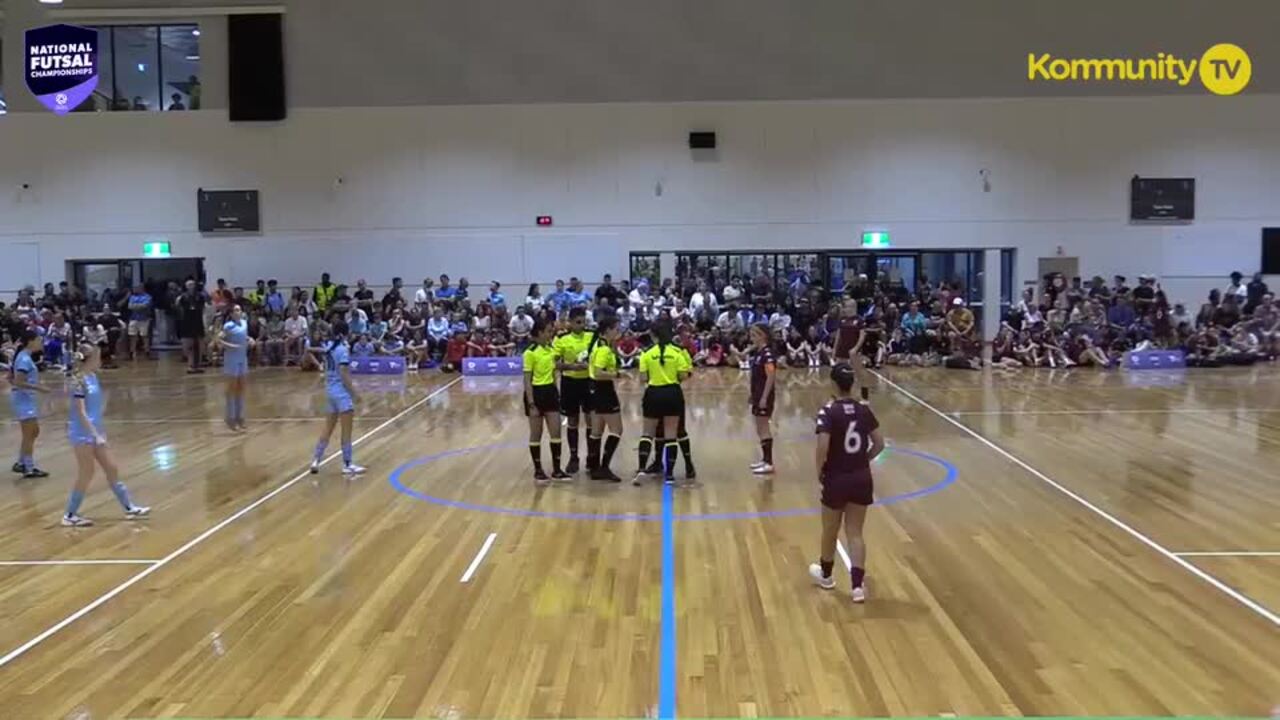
[(664, 367), (603, 359), (571, 348), (540, 361)]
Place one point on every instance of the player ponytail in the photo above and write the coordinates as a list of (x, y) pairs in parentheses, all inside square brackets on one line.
[(605, 326), (662, 331)]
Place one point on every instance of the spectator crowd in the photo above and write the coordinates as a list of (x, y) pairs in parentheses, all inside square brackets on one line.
[(440, 322)]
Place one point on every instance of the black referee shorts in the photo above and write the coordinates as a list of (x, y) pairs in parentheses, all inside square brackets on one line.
[(546, 400), (575, 396), (604, 398), (663, 401)]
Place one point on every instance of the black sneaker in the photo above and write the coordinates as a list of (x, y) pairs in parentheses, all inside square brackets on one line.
[(690, 473), (572, 467), (601, 474), (17, 467), (559, 475), (35, 473), (539, 474), (613, 477)]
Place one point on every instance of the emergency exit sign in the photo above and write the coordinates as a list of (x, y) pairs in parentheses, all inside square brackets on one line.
[(155, 250), (875, 239)]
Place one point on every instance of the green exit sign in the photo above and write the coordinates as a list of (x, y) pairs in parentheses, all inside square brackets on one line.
[(876, 239), (155, 249)]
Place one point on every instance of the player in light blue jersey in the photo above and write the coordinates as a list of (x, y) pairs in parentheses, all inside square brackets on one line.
[(24, 381), (341, 397), (89, 441), (235, 364)]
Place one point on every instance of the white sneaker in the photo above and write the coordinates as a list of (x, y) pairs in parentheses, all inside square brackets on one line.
[(859, 595), (352, 470), (137, 511), (315, 466), (763, 469), (757, 464), (76, 521), (826, 583)]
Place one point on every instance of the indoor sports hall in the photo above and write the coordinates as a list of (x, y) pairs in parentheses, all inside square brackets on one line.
[(505, 360)]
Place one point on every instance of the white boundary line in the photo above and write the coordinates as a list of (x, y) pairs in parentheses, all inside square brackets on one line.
[(1231, 553), (104, 598), (1171, 411), (24, 563), (484, 550), (1145, 540)]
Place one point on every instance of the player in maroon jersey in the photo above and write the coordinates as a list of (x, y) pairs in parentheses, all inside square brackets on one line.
[(848, 340), (848, 440), (764, 367)]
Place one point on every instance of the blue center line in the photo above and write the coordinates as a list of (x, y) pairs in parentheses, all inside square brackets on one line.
[(667, 651)]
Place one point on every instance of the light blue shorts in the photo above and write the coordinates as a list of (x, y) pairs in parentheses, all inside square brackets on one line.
[(235, 367), (24, 406), (77, 437), (341, 402)]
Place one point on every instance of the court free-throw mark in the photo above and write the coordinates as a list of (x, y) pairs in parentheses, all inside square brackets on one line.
[(1117, 522), (107, 596), (484, 550)]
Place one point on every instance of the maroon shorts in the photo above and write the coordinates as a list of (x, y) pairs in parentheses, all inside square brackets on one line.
[(841, 490)]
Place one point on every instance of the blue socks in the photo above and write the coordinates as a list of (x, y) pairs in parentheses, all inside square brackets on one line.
[(73, 502), (346, 453), (320, 448), (122, 494), (28, 462)]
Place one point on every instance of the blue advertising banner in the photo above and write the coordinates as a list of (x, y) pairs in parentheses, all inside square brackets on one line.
[(61, 65)]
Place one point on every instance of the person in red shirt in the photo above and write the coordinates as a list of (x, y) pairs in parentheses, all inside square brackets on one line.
[(454, 352), (848, 440), (628, 350), (478, 345)]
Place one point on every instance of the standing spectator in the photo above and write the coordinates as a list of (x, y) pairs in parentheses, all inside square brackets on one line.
[(424, 296), (534, 299), (1144, 296), (363, 297), (464, 290), (446, 292), (394, 297), (496, 298), (221, 298), (578, 295), (324, 293), (258, 295), (140, 307), (733, 293), (1254, 293), (1237, 288), (559, 300), (114, 327), (191, 306), (275, 299)]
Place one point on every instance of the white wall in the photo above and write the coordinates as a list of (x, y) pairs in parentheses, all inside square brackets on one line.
[(456, 189)]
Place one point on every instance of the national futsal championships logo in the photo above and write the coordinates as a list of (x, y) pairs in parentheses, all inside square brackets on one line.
[(1224, 69)]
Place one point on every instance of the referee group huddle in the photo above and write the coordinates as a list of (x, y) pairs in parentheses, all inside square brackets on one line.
[(588, 367)]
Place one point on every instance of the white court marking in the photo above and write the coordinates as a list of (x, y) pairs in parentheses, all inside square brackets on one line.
[(24, 563), (484, 550), (1144, 539), (107, 596), (844, 555), (1104, 411), (1231, 553)]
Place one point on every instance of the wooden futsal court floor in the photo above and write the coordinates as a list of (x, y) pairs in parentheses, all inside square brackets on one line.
[(1071, 543)]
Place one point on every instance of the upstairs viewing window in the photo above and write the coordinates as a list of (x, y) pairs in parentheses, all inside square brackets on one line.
[(147, 68)]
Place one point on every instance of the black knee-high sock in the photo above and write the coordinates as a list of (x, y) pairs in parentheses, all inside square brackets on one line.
[(827, 565), (535, 452), (593, 451), (610, 445), (669, 450), (555, 454), (766, 450), (645, 447), (573, 442), (686, 449)]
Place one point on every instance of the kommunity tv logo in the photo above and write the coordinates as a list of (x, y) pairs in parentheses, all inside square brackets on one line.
[(1224, 69)]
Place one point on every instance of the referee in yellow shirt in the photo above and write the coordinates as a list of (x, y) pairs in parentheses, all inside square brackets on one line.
[(571, 350), (542, 401), (662, 366)]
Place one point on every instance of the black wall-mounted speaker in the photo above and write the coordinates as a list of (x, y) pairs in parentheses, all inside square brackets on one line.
[(255, 67), (702, 141)]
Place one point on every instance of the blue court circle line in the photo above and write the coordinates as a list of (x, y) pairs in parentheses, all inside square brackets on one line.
[(951, 473)]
